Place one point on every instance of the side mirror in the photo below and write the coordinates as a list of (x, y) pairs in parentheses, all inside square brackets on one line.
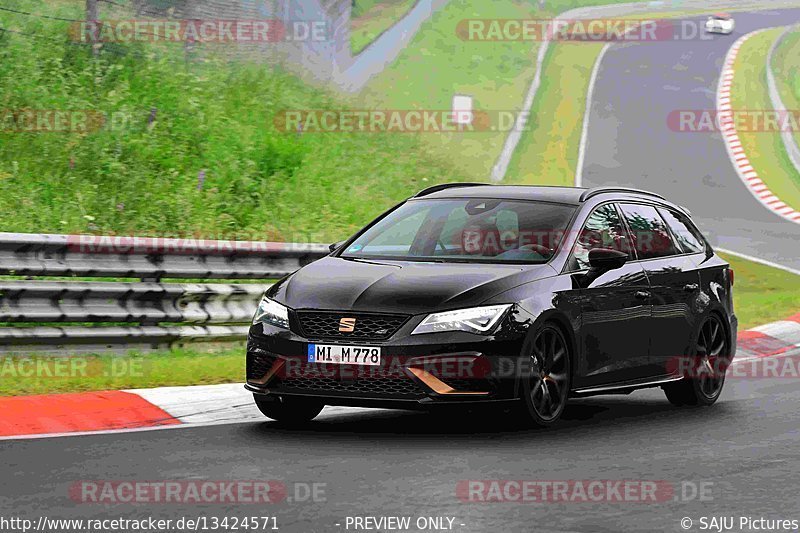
[(335, 246), (601, 260), (604, 259)]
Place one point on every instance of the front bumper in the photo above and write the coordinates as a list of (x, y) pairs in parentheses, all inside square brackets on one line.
[(719, 30), (416, 371)]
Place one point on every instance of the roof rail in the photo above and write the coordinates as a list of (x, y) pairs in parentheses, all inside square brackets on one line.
[(591, 193), (444, 186)]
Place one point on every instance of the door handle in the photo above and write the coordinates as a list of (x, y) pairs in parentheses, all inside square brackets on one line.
[(691, 287), (642, 295)]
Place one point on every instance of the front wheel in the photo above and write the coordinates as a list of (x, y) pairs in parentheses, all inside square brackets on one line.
[(706, 370), (546, 376), (288, 410)]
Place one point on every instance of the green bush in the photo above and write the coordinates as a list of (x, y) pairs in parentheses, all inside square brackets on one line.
[(199, 154)]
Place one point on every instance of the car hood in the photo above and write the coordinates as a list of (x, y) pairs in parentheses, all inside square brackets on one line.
[(406, 287)]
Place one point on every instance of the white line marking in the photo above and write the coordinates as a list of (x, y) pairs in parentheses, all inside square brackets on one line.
[(327, 412), (789, 353), (759, 261), (513, 138), (108, 431), (203, 403), (786, 331), (586, 114)]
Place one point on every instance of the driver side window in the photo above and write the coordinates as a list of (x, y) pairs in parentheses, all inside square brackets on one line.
[(603, 229)]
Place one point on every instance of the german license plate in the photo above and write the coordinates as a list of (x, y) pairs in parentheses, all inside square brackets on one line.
[(344, 355)]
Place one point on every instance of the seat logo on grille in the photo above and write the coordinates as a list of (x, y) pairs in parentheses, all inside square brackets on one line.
[(347, 325)]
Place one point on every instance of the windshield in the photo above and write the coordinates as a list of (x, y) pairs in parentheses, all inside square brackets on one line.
[(466, 230)]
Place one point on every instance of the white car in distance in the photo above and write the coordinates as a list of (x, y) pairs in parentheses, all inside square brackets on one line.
[(720, 23)]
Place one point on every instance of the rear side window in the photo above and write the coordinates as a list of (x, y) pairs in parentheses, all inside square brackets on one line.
[(685, 233), (651, 238)]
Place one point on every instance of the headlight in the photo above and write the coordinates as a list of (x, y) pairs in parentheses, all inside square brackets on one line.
[(476, 320), (273, 313)]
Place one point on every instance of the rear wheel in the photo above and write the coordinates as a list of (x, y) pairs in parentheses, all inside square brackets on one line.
[(706, 371), (288, 410), (546, 376)]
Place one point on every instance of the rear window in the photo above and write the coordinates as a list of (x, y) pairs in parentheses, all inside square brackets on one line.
[(466, 230), (651, 239)]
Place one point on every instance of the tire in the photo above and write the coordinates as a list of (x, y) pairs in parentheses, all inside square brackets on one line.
[(706, 373), (546, 376), (288, 410)]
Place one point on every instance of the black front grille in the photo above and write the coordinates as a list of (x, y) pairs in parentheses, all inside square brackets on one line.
[(325, 325), (378, 383)]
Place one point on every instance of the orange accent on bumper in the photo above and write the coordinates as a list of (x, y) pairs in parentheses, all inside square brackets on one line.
[(276, 366), (439, 386)]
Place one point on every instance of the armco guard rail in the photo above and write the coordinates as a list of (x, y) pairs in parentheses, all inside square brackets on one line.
[(52, 316)]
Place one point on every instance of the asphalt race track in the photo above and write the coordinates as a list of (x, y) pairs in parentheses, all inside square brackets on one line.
[(390, 462), (396, 463), (630, 143)]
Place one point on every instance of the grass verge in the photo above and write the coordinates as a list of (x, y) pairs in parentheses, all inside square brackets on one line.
[(763, 294), (199, 153), (497, 74), (786, 66), (765, 150), (548, 150), (20, 375), (372, 17), (437, 64)]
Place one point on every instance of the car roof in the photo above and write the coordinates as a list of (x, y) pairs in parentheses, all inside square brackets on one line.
[(562, 195), (721, 15)]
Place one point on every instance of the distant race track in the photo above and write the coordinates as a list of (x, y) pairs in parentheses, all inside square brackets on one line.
[(630, 143)]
